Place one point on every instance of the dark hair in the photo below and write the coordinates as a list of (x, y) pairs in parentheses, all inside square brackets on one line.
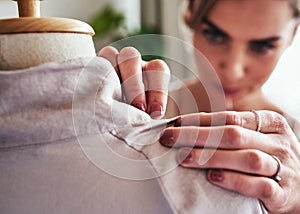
[(198, 9), (295, 4)]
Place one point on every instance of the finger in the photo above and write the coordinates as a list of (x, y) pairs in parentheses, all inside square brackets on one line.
[(130, 66), (110, 53), (246, 161), (265, 189), (157, 76), (221, 137), (271, 122), (227, 137)]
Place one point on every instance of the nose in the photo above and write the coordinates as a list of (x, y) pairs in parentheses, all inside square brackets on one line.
[(233, 64)]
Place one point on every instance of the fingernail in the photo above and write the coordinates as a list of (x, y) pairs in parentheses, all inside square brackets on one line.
[(140, 106), (185, 156), (167, 138), (156, 110), (178, 121), (215, 175)]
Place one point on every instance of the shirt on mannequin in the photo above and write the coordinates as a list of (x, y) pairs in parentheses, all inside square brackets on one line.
[(68, 144)]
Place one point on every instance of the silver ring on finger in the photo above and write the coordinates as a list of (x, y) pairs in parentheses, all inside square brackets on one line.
[(276, 177), (258, 120)]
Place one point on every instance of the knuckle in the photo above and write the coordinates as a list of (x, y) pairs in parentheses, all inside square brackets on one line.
[(233, 136), (279, 122), (267, 190), (128, 53), (283, 151), (158, 65), (110, 54), (156, 96), (254, 161), (157, 75), (108, 51), (236, 118), (239, 183), (232, 118)]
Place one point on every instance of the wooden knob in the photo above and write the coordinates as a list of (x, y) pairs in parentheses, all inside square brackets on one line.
[(30, 22), (29, 8)]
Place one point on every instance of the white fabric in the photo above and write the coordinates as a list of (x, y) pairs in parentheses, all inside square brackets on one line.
[(46, 109), (18, 51)]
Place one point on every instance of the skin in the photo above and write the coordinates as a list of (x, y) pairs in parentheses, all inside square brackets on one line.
[(244, 57), (138, 76), (243, 48)]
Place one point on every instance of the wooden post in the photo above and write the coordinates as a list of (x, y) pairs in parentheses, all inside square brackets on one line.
[(29, 8)]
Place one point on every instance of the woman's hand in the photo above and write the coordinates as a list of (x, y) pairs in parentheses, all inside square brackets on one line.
[(240, 158), (145, 84)]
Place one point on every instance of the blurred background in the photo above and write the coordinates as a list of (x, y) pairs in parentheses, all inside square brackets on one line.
[(117, 19), (110, 18)]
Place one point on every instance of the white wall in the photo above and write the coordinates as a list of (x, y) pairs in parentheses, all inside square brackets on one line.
[(78, 9), (283, 87), (8, 9)]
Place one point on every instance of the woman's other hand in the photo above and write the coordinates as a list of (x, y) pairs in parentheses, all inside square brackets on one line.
[(145, 84), (240, 158)]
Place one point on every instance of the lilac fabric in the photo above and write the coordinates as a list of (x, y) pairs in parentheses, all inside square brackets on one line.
[(68, 144)]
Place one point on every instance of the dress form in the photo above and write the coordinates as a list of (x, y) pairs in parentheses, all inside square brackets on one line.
[(30, 40)]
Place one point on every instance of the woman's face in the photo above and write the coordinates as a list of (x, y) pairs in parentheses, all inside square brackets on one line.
[(243, 41)]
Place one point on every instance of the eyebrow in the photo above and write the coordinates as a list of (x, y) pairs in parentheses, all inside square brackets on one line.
[(214, 26), (219, 30)]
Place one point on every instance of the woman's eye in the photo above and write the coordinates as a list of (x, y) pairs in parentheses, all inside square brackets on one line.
[(214, 37), (261, 47)]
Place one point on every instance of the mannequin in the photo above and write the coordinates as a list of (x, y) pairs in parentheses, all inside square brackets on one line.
[(29, 40)]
